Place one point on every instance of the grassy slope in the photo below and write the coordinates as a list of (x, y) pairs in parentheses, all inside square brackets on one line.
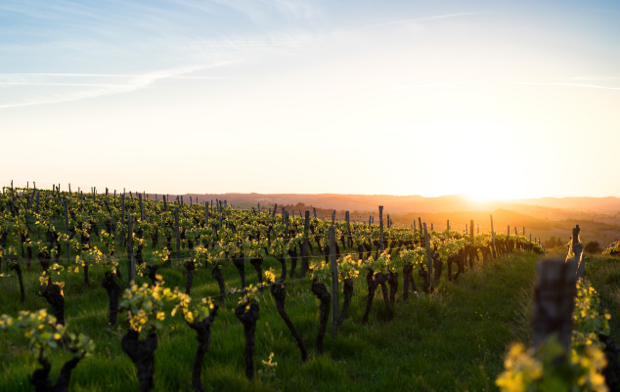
[(604, 272), (451, 340)]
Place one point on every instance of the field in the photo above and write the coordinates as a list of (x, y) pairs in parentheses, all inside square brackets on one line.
[(453, 339), (450, 334)]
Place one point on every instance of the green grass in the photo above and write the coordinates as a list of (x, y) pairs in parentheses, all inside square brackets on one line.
[(452, 340), (604, 273)]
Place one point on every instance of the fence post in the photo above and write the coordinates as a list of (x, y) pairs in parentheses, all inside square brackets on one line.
[(178, 235), (286, 233), (447, 225), (68, 251), (305, 246), (334, 267), (429, 260), (554, 300), (381, 227), (349, 239), (141, 207), (206, 214), (578, 250), (471, 229), (493, 238), (123, 206), (131, 261), (508, 244)]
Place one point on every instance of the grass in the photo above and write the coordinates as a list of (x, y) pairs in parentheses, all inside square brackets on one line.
[(604, 273), (451, 340)]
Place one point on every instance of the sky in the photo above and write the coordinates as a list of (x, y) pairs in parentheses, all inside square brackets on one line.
[(499, 99)]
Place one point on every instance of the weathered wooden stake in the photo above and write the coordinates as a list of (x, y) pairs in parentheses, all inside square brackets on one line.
[(493, 236), (131, 273), (68, 248), (578, 250), (349, 239), (141, 207), (554, 300), (305, 246), (178, 235), (123, 206), (429, 259), (381, 227), (471, 229), (335, 290)]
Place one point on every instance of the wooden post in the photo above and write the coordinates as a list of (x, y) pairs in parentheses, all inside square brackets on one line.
[(334, 267), (578, 250), (313, 209), (554, 300), (68, 250), (381, 227), (349, 239), (414, 227), (206, 214), (286, 234), (493, 237), (178, 235), (432, 229), (420, 224), (219, 225), (508, 246), (447, 223), (523, 231), (275, 209), (333, 217), (123, 206), (131, 273), (305, 246), (141, 207), (429, 259), (471, 229)]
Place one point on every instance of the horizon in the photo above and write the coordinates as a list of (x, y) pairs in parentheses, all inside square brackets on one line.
[(473, 198), (503, 100)]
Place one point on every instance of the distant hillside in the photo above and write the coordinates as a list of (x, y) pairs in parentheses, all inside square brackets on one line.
[(553, 208), (599, 218)]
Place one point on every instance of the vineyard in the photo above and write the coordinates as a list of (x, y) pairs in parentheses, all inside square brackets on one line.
[(126, 292)]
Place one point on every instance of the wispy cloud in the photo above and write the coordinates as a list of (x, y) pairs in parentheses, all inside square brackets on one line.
[(432, 84), (262, 11), (130, 84), (428, 18), (568, 85)]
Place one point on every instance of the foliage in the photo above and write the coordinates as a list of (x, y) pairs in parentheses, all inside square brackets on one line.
[(416, 256), (44, 334), (191, 311), (348, 268), (145, 305), (612, 249), (320, 272)]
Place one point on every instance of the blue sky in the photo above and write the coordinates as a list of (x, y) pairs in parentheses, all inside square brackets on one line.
[(346, 97)]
